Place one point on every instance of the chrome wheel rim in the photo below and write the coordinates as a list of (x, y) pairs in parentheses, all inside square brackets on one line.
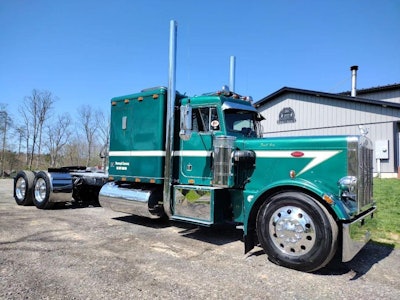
[(20, 188), (40, 190), (292, 231)]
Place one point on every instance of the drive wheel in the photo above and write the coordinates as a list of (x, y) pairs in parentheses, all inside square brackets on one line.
[(23, 184), (296, 231), (41, 191)]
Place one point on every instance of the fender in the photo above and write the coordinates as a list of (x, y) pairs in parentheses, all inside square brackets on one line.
[(254, 198)]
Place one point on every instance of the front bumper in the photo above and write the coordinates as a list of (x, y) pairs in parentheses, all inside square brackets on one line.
[(357, 233)]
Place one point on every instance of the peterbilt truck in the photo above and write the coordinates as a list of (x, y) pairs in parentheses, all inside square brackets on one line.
[(203, 160)]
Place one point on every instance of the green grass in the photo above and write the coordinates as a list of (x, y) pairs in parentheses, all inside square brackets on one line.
[(387, 197)]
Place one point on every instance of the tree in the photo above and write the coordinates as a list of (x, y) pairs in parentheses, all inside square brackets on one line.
[(58, 136), (5, 123), (45, 104), (35, 110), (89, 126), (26, 134), (73, 152), (103, 124), (20, 131)]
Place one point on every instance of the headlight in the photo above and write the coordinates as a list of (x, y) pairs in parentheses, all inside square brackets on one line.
[(348, 187)]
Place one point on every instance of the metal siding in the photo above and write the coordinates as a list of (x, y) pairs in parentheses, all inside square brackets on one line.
[(390, 96), (324, 113)]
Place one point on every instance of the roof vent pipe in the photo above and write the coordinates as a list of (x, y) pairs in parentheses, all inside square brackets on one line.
[(353, 70)]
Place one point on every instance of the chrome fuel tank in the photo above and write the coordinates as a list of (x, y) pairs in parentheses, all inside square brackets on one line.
[(136, 201)]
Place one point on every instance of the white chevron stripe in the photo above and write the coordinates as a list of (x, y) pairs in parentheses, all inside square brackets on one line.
[(318, 156)]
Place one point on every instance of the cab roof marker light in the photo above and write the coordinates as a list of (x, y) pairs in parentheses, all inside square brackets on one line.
[(247, 98), (225, 90)]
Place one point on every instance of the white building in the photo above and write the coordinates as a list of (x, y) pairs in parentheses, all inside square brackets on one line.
[(291, 112)]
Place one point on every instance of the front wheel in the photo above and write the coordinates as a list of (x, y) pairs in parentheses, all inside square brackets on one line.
[(296, 231)]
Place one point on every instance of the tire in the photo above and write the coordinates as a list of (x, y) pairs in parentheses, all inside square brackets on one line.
[(23, 187), (296, 231), (41, 191)]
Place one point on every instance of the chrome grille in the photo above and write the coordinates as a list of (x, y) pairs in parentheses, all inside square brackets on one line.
[(365, 177), (360, 165)]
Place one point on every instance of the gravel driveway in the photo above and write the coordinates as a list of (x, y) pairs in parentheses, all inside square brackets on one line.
[(93, 253)]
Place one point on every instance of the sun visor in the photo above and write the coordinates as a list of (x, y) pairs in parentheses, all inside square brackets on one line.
[(233, 105)]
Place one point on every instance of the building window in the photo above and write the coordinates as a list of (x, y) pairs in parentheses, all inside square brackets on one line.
[(286, 115)]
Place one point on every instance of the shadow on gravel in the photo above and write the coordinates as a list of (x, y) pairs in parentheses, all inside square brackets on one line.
[(370, 255), (217, 234), (144, 221), (74, 205)]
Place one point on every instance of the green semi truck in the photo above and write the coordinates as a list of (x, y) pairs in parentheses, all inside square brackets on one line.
[(203, 160)]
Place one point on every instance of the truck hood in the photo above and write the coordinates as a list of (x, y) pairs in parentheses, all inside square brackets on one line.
[(317, 160)]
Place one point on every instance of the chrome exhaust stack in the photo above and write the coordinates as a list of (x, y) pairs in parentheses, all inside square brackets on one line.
[(169, 133)]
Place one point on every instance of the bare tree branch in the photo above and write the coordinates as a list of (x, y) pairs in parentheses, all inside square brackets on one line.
[(35, 110), (89, 127), (58, 136), (5, 123)]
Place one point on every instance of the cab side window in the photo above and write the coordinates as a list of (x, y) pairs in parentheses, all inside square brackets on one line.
[(205, 119)]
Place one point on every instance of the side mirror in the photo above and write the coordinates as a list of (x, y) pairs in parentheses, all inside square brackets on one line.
[(259, 117), (186, 122)]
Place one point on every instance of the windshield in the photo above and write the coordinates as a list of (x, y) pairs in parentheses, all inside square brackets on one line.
[(242, 123)]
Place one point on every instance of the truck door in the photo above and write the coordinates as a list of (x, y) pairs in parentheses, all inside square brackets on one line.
[(195, 161)]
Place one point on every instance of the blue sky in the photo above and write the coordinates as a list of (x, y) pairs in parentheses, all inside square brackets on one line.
[(86, 52)]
